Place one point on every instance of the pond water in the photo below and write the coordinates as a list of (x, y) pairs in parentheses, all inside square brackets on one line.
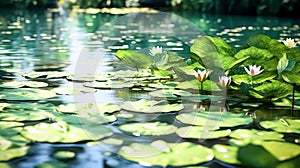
[(36, 40)]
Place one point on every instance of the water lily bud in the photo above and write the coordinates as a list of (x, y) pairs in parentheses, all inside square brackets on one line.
[(224, 81), (201, 75)]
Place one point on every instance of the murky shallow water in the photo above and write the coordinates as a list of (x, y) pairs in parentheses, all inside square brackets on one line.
[(42, 41)]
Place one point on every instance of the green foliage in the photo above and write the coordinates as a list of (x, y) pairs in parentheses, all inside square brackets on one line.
[(134, 59)]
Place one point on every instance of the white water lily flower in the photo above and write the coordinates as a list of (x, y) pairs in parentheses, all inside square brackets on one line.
[(254, 70), (225, 81), (201, 75), (290, 43), (156, 50)]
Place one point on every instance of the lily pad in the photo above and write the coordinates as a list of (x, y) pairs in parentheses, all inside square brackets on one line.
[(196, 85), (255, 135), (282, 125), (64, 155), (149, 128), (161, 153), (26, 94), (282, 150), (24, 115), (98, 108), (109, 85), (12, 153), (169, 94), (167, 85), (6, 124), (198, 132), (86, 118), (72, 91), (223, 119), (65, 133), (46, 74), (150, 106), (226, 154), (19, 84), (29, 106), (52, 164)]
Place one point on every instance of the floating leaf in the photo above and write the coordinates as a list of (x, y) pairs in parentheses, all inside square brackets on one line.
[(247, 136), (26, 94), (19, 84), (160, 153), (274, 89), (6, 124), (149, 128), (147, 106), (169, 94), (167, 85), (96, 108), (224, 119), (72, 91), (24, 115), (293, 78), (196, 85), (227, 154), (256, 156), (134, 59), (64, 155), (12, 153), (52, 164), (54, 132), (198, 132), (109, 85), (46, 74), (282, 125), (282, 150), (30, 106)]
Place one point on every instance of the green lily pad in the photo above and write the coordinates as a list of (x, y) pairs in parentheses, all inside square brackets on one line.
[(46, 74), (150, 106), (5, 165), (169, 94), (167, 85), (112, 141), (196, 85), (223, 119), (24, 115), (29, 106), (5, 124), (282, 150), (72, 91), (85, 118), (282, 125), (254, 135), (198, 132), (12, 153), (246, 78), (98, 108), (4, 105), (52, 164), (226, 154), (161, 153), (64, 155), (149, 128), (26, 94), (65, 133), (109, 85), (134, 59), (19, 84), (275, 89)]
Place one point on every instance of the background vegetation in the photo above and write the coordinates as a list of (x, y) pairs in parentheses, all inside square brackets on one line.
[(249, 7)]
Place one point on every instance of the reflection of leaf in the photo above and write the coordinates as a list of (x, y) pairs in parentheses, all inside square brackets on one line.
[(134, 59)]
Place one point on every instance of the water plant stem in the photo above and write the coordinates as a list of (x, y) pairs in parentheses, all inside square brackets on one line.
[(201, 86), (293, 99)]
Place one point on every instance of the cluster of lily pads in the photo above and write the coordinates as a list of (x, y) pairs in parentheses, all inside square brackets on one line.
[(27, 114)]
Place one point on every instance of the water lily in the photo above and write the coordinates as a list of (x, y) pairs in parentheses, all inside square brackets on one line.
[(201, 75), (224, 81), (290, 43), (253, 70), (156, 50)]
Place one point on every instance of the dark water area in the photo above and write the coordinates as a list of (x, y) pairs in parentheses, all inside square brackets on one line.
[(41, 40)]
